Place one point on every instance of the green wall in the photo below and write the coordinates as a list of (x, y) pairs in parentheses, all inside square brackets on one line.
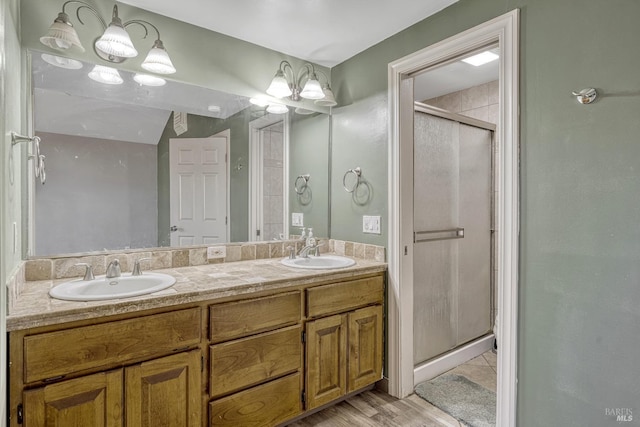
[(308, 154), (579, 333)]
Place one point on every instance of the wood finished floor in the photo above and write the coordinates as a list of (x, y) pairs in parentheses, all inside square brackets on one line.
[(376, 408)]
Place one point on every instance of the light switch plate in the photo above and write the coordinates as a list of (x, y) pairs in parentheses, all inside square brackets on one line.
[(297, 219), (214, 252), (371, 224)]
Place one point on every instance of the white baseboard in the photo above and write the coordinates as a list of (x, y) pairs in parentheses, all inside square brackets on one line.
[(448, 361)]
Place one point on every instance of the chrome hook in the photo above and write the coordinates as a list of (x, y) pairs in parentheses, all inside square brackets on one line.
[(586, 96)]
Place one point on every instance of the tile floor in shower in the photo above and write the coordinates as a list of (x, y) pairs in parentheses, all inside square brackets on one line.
[(377, 409)]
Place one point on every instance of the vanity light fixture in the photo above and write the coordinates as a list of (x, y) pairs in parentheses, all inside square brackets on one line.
[(106, 75), (114, 45), (287, 84), (61, 62), (277, 109), (149, 80), (272, 107)]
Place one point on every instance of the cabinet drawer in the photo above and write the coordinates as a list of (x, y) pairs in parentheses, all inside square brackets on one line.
[(56, 354), (242, 318), (245, 362), (265, 405), (345, 296)]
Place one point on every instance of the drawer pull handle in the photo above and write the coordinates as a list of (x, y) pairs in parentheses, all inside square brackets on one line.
[(48, 380)]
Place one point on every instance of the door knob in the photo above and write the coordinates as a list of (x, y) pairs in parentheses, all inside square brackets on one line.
[(174, 228)]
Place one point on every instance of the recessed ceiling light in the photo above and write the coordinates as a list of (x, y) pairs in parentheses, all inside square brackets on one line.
[(62, 62), (214, 108), (149, 80), (481, 58)]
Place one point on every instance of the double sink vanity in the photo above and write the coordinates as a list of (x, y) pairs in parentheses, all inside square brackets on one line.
[(248, 343)]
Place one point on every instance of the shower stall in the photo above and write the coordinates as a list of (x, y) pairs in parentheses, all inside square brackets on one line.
[(453, 226)]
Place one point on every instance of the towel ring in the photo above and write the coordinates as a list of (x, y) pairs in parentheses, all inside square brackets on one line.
[(357, 172), (303, 186), (38, 166)]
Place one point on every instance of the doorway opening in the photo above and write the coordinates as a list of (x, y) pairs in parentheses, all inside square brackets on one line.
[(502, 32), (268, 178)]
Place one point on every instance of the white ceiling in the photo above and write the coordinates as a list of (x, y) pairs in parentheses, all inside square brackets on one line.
[(325, 32)]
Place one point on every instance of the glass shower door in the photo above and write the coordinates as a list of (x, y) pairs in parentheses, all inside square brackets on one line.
[(452, 234)]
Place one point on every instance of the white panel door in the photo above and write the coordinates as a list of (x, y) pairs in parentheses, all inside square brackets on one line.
[(198, 190)]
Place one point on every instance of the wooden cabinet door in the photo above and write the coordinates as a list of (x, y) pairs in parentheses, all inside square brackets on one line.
[(164, 392), (365, 347), (94, 400), (326, 360)]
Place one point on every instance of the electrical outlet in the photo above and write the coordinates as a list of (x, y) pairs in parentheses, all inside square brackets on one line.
[(214, 252), (371, 224), (297, 219)]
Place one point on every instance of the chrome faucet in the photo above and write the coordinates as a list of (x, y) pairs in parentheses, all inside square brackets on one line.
[(88, 272), (137, 271), (311, 249), (113, 270)]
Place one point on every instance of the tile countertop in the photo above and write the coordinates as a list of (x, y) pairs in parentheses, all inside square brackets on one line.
[(31, 306)]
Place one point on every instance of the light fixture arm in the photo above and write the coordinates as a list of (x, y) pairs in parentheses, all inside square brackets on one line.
[(143, 24), (284, 66), (325, 77), (307, 70), (84, 5)]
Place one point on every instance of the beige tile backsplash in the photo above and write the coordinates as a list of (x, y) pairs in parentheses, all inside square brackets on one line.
[(66, 267)]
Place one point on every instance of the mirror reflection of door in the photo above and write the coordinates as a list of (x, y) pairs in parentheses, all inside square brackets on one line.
[(198, 190), (268, 178)]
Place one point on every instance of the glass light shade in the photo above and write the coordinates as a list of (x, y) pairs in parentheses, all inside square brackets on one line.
[(312, 89), (303, 111), (61, 34), (277, 109), (260, 102), (279, 86), (158, 61), (149, 80), (116, 41), (59, 61), (329, 99), (106, 75)]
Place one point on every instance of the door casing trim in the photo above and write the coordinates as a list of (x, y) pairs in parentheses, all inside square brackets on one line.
[(505, 31)]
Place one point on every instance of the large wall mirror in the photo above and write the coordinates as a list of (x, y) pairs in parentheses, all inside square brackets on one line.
[(136, 166)]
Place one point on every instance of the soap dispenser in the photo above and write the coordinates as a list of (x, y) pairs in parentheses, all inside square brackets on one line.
[(303, 236)]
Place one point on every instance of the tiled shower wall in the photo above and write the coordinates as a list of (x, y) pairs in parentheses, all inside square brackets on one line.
[(273, 176), (479, 102)]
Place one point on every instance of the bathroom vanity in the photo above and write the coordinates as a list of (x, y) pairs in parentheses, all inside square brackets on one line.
[(258, 351)]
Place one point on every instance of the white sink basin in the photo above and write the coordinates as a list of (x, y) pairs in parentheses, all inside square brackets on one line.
[(322, 262), (120, 287)]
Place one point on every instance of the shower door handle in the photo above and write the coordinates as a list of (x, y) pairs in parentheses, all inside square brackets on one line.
[(435, 235)]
